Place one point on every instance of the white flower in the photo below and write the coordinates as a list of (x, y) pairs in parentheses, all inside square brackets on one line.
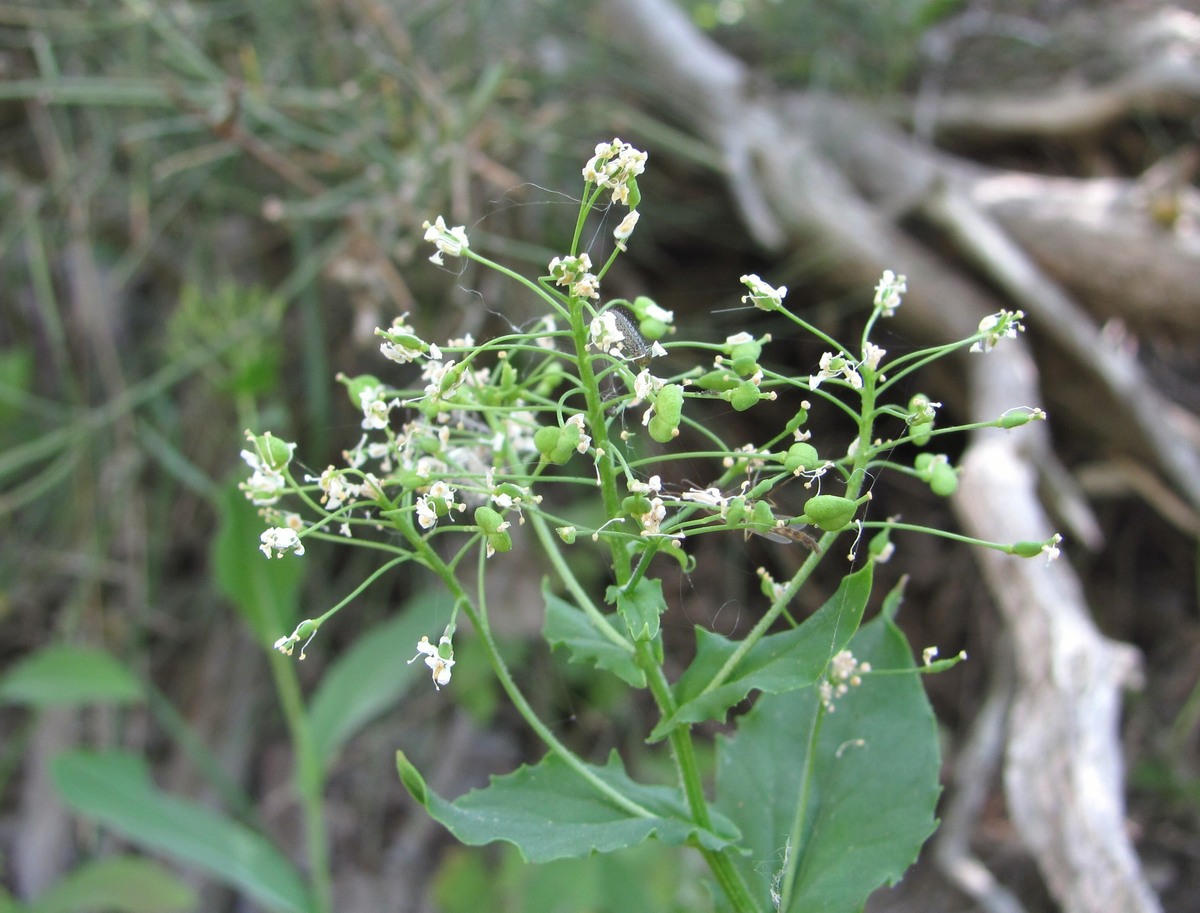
[(264, 487), (615, 165), (995, 327), (426, 515), (708, 497), (888, 292), (638, 487), (375, 407), (625, 229), (652, 520), (438, 664), (844, 673), (585, 439), (1051, 549), (737, 339), (337, 491), (833, 365), (873, 355), (762, 295), (575, 272), (280, 539), (450, 241), (661, 314)]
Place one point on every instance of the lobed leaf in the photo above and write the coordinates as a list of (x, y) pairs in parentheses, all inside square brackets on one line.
[(568, 626), (776, 664), (873, 783), (548, 811)]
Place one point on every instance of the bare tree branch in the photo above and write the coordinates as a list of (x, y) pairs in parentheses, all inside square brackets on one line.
[(812, 170)]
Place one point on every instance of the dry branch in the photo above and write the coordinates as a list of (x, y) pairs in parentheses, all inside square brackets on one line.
[(808, 170)]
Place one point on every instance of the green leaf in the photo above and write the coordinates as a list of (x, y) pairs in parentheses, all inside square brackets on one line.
[(642, 608), (548, 811), (371, 676), (115, 789), (265, 590), (873, 782), (65, 676), (119, 884), (569, 626), (776, 664)]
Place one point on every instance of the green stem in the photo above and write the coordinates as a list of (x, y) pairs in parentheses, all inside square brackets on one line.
[(434, 562), (796, 837), (310, 778)]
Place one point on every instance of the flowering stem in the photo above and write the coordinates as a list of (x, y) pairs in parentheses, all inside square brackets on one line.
[(434, 562)]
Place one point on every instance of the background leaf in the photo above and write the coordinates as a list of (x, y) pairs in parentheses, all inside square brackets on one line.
[(116, 790), (372, 675), (64, 675), (776, 664), (119, 884), (265, 591), (550, 812), (872, 801)]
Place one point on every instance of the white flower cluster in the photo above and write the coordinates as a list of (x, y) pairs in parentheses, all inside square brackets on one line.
[(615, 165), (845, 672)]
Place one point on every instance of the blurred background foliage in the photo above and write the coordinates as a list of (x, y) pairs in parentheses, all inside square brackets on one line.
[(205, 210)]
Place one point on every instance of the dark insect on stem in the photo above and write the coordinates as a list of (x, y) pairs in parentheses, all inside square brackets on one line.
[(636, 346), (788, 534)]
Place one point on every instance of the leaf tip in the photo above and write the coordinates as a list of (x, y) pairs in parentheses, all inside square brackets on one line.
[(411, 778)]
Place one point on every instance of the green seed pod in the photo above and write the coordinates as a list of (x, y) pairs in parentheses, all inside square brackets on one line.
[(275, 453), (762, 518), (636, 505), (919, 411), (745, 396), (1016, 418), (662, 430), (801, 457), (356, 385), (829, 512), (488, 519), (500, 542), (635, 195), (308, 628), (744, 357), (668, 409), (944, 480), (545, 439), (796, 421), (568, 440), (736, 514), (717, 381), (1027, 549)]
